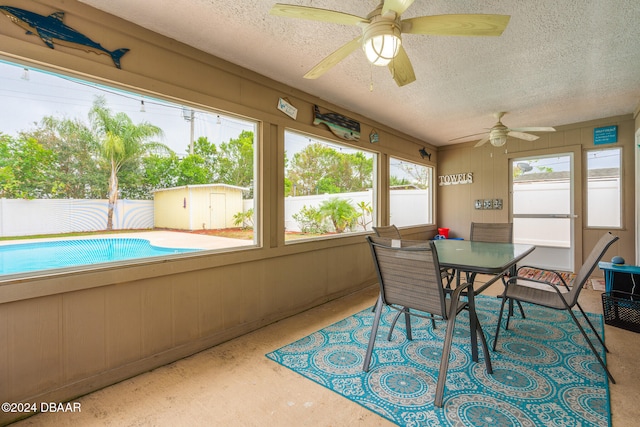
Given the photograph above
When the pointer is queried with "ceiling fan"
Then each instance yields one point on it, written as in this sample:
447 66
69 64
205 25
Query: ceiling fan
382 31
498 134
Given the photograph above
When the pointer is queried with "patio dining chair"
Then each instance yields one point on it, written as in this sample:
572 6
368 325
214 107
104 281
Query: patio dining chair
409 277
559 297
500 232
496 232
392 232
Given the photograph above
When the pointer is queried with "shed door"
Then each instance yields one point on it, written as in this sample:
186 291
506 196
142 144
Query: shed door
218 210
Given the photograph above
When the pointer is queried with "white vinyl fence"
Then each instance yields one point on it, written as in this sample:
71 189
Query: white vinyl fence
19 217
603 208
408 207
293 205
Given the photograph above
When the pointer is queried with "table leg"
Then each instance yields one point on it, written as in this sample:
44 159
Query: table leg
473 323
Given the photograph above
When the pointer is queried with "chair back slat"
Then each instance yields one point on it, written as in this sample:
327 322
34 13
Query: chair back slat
589 265
390 231
492 232
409 275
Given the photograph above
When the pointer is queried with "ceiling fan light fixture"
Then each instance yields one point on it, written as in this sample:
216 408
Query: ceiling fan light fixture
498 140
381 42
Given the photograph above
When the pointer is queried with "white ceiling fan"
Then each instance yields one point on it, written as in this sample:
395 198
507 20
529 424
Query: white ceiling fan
498 134
382 31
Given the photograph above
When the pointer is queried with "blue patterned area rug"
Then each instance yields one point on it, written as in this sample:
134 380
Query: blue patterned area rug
544 373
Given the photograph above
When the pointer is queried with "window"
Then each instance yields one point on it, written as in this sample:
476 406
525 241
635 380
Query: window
410 193
329 188
80 160
604 192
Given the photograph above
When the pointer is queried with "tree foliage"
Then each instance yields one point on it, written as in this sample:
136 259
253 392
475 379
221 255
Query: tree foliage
419 175
107 155
78 173
27 169
235 161
319 169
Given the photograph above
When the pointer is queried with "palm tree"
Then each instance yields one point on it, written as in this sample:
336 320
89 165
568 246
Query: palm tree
340 212
121 141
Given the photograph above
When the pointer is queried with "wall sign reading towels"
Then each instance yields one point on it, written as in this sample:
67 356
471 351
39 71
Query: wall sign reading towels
457 178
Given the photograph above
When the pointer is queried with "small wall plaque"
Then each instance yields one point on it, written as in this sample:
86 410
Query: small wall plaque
287 108
605 135
373 136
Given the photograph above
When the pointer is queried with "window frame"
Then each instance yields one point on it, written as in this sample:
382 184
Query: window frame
430 187
336 144
116 89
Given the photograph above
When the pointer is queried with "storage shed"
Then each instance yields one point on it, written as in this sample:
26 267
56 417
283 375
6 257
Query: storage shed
197 207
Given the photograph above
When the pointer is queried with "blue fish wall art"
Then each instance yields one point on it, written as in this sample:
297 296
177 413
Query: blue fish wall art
53 31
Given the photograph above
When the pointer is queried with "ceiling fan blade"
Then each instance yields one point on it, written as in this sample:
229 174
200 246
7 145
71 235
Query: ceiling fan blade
401 68
534 129
482 141
456 25
315 14
467 136
522 135
398 6
327 63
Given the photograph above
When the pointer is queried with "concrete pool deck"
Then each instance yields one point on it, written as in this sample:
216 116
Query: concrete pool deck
165 239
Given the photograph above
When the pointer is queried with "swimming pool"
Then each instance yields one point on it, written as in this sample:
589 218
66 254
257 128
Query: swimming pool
24 257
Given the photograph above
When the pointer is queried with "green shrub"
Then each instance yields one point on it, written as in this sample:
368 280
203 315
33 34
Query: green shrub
245 219
310 220
340 212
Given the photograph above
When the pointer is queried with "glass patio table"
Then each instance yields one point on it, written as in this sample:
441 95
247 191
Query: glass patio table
474 258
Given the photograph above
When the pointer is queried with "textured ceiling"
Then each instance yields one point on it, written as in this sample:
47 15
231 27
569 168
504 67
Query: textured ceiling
558 61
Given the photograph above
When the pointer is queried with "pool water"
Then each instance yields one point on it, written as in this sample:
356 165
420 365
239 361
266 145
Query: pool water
23 257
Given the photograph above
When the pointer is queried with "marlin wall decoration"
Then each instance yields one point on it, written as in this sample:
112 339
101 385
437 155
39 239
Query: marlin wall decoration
339 125
52 31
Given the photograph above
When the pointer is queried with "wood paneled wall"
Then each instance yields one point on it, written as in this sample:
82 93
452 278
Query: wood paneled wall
490 168
68 334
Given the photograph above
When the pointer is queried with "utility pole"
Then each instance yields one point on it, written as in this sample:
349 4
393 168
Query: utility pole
188 115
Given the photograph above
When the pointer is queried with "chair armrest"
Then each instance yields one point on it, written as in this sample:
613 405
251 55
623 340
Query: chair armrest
514 280
455 297
558 275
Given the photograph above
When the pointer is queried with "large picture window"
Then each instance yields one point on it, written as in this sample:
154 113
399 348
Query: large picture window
329 188
410 193
604 192
82 162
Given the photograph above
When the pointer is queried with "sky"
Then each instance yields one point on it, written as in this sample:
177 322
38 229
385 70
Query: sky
602 157
27 97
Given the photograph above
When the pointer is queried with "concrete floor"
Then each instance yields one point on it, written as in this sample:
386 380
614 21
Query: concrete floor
234 384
